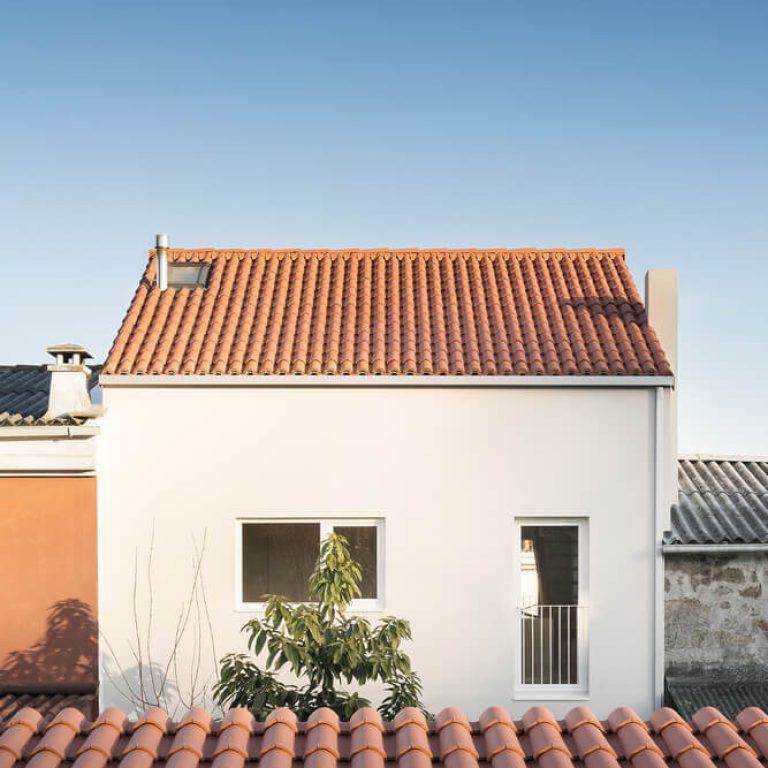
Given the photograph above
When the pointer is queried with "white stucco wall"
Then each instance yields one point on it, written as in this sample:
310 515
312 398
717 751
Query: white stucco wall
448 469
55 450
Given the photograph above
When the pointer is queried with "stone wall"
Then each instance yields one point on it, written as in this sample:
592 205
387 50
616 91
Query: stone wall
717 614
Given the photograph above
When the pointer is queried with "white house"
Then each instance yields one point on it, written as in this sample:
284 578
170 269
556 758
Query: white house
492 430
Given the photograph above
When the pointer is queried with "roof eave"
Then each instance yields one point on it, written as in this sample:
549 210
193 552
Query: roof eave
401 381
713 549
43 431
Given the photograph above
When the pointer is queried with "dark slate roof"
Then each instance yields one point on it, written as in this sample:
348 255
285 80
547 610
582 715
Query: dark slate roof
721 501
47 704
730 697
24 394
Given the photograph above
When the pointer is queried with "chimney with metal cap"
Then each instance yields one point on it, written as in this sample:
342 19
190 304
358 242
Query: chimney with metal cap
68 394
161 249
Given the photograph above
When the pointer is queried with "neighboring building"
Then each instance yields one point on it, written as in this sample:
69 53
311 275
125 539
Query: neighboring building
48 641
465 418
716 567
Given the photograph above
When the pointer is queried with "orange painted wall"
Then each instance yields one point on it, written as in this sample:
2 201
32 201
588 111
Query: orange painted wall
48 589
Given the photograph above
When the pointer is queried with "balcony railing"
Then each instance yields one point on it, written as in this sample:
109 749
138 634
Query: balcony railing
553 644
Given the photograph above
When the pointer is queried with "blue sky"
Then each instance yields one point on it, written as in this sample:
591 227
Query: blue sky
641 125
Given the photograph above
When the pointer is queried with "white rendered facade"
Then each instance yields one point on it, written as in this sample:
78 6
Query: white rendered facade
450 471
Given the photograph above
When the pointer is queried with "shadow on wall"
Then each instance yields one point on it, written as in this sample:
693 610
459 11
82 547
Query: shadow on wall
64 658
137 688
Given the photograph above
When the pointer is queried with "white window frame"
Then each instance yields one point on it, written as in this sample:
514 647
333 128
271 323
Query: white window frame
553 692
327 525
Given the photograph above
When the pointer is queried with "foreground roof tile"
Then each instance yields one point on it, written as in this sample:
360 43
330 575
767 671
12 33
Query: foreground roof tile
537 740
754 723
428 312
589 739
724 738
18 732
679 740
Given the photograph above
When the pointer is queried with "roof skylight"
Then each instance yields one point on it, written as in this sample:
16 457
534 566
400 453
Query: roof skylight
190 274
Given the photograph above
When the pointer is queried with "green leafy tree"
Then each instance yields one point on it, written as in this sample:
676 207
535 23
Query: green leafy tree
323 647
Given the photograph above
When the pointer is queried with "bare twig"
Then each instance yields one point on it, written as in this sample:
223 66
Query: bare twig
136 626
165 693
151 610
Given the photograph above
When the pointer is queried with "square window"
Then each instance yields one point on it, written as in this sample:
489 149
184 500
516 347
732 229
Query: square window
278 557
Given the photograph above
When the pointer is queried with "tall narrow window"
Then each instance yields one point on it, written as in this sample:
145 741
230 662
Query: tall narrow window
552 613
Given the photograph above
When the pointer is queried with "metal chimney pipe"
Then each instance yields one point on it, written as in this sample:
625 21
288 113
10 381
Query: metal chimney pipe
161 248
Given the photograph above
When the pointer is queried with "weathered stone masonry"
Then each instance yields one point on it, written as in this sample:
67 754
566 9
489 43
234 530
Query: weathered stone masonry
717 615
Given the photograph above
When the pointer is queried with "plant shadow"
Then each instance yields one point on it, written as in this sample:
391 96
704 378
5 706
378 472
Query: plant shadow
64 658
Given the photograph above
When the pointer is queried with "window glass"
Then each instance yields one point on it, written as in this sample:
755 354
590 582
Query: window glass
188 274
278 558
550 564
362 547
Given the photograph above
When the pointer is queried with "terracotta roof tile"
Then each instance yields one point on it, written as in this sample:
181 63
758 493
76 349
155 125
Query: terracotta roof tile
502 747
633 734
678 737
538 740
366 747
54 747
19 730
589 739
431 312
412 748
724 739
754 723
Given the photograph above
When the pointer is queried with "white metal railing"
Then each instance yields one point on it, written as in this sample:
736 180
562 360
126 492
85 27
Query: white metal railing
553 644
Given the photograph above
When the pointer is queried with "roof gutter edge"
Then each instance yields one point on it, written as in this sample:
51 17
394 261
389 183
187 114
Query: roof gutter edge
713 549
43 432
403 381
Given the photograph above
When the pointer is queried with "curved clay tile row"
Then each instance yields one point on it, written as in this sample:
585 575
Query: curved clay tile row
502 747
754 723
17 734
457 750
412 748
366 748
589 739
678 737
392 312
57 737
635 739
142 749
724 739
277 746
547 746
99 747
234 734
367 742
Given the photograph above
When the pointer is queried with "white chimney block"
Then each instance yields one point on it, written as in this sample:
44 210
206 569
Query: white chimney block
661 306
68 394
661 292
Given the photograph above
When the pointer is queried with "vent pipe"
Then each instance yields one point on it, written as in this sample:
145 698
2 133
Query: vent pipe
161 249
